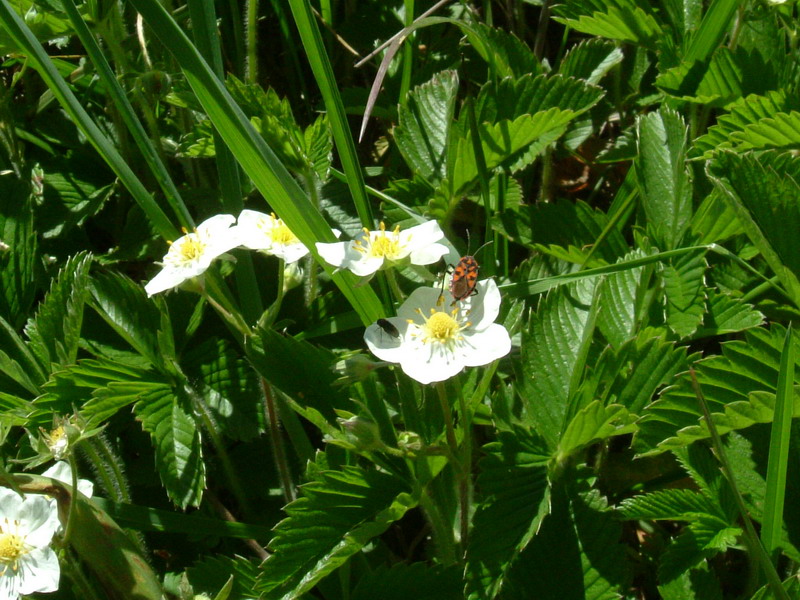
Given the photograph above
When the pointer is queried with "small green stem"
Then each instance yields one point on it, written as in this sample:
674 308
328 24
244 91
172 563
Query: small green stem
391 278
450 432
753 542
443 533
466 463
408 53
210 425
216 298
269 316
460 468
278 452
251 33
72 499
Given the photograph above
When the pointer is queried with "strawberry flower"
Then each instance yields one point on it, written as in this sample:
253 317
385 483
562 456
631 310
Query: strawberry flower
371 251
436 336
191 254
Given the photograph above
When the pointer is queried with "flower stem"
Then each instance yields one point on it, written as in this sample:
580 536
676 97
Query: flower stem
394 286
269 316
466 464
210 425
278 452
460 468
72 499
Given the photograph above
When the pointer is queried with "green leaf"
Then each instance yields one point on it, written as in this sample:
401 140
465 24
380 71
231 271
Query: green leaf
684 290
702 539
506 55
621 295
228 385
632 375
123 304
210 574
551 347
18 362
20 257
424 124
696 584
99 388
753 112
517 120
591 60
578 541
675 505
619 20
763 191
542 223
714 221
739 387
594 423
298 369
179 455
417 580
513 482
664 184
338 513
727 314
55 331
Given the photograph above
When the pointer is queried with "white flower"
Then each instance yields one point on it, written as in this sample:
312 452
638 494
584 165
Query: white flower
259 231
61 471
27 563
436 338
191 254
373 250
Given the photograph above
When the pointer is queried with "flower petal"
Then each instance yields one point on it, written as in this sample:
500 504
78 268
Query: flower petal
290 252
482 347
428 254
167 278
383 344
431 363
333 252
38 571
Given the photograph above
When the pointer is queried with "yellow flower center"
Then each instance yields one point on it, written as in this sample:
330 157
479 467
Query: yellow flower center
385 245
441 327
192 248
12 546
282 235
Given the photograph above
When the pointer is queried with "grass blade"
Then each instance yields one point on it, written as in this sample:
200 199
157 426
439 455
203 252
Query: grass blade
712 29
204 28
269 175
128 114
772 520
326 80
753 543
26 41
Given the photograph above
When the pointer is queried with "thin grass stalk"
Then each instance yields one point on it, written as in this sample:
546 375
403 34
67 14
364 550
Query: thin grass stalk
204 28
251 40
329 87
269 175
128 114
750 536
276 441
778 462
27 42
408 54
